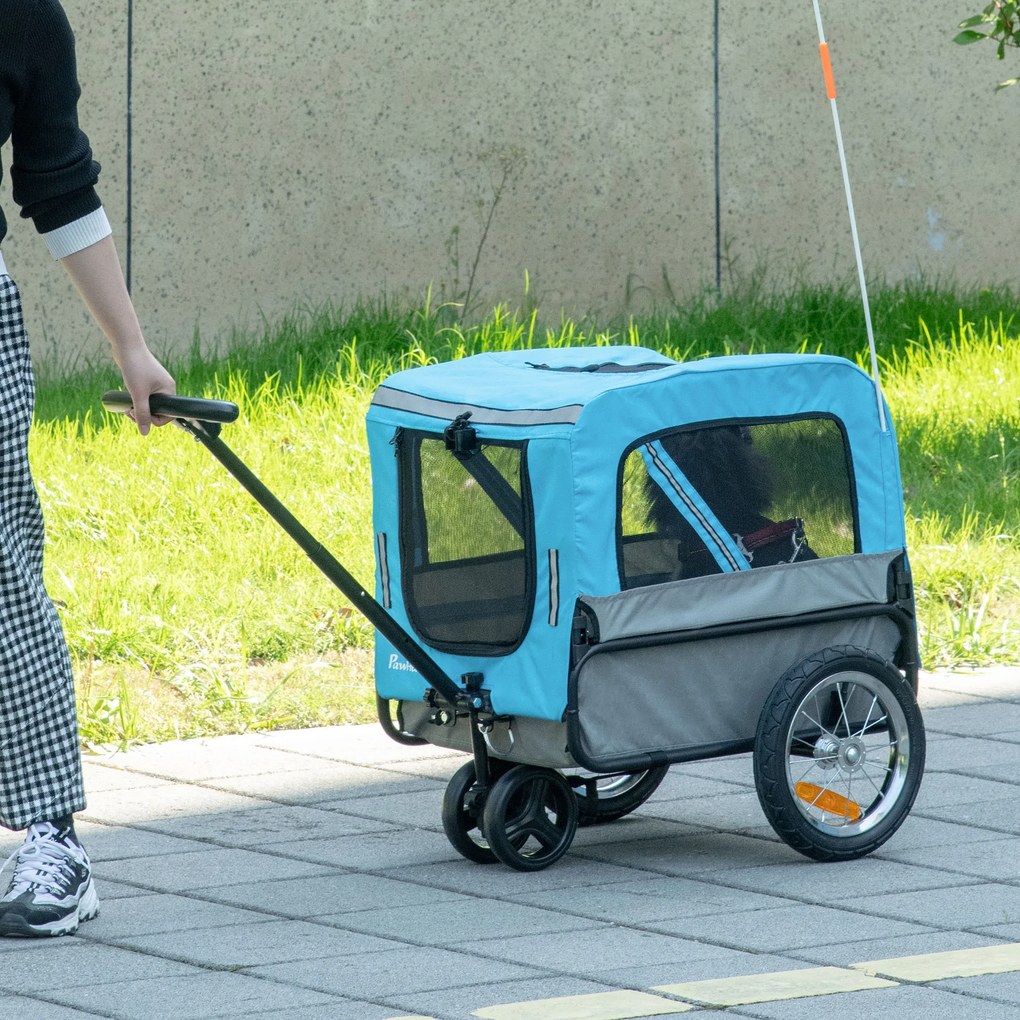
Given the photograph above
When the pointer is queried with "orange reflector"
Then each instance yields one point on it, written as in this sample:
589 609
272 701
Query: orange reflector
828 801
830 80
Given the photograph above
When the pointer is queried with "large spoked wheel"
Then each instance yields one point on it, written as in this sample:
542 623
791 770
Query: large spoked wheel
606 798
530 817
462 811
839 754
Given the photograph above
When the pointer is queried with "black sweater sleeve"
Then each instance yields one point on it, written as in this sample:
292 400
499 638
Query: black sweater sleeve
53 173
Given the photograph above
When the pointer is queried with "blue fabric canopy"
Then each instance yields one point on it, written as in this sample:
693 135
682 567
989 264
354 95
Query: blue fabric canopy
581 411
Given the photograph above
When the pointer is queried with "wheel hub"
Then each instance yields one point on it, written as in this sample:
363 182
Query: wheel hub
826 751
852 754
848 754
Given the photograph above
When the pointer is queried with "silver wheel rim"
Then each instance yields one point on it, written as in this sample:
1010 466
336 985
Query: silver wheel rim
607 786
847 754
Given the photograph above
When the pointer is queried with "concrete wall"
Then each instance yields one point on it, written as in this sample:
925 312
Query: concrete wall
298 152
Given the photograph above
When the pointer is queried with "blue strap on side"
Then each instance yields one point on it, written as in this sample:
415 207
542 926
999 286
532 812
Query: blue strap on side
666 474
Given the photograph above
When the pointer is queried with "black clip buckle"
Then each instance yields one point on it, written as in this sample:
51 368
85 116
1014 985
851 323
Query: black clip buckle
460 438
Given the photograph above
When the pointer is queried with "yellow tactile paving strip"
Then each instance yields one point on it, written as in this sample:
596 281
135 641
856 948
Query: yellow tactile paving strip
597 1006
787 984
959 963
756 988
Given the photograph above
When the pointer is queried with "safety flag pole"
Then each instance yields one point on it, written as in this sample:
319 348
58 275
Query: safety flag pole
830 91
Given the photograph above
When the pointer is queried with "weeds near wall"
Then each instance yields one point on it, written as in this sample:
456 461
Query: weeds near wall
503 166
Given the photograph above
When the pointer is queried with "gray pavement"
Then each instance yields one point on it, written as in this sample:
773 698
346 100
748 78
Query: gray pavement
305 874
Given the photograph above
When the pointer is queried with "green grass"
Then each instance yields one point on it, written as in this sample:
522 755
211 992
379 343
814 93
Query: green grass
189 612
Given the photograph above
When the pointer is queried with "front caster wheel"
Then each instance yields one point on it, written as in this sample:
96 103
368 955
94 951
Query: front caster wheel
462 811
839 754
530 817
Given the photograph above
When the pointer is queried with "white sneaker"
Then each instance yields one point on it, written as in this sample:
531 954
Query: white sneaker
51 890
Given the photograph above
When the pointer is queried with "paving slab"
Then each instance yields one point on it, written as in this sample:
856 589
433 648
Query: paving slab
252 945
570 872
205 868
107 843
394 973
159 912
941 790
72 963
832 884
198 759
787 928
265 823
389 849
454 921
690 852
915 1003
919 832
969 906
329 894
980 720
998 817
306 874
324 783
599 949
723 812
651 899
194 997
993 858
838 953
39 1009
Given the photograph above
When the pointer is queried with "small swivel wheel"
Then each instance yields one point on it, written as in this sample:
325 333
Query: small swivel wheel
839 754
530 817
463 802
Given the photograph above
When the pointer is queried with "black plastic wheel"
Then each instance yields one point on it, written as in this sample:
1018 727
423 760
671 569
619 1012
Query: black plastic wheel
839 754
530 817
605 798
462 814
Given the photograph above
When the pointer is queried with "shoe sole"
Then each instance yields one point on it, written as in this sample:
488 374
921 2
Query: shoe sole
88 907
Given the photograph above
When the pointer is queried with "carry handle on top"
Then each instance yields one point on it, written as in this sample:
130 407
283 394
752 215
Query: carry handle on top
203 419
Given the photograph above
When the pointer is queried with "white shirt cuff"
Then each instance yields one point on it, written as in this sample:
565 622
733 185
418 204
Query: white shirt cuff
80 234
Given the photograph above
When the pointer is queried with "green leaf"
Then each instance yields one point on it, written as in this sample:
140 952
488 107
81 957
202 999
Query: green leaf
970 36
1006 84
978 19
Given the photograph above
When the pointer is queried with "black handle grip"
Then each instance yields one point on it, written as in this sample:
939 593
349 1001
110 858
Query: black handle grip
170 406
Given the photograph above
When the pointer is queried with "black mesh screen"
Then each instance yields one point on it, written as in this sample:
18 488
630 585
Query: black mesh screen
782 489
466 545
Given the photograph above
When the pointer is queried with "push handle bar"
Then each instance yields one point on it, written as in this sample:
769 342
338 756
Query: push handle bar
202 419
170 406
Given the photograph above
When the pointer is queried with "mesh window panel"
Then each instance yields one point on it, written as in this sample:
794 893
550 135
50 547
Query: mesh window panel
783 488
466 543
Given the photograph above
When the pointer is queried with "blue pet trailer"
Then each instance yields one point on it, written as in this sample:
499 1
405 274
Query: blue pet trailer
593 563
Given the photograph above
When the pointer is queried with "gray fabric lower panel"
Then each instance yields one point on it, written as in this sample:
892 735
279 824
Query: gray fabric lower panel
788 589
522 740
675 698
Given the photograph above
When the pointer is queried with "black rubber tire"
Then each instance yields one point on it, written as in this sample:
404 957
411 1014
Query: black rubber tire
607 806
530 817
800 732
462 826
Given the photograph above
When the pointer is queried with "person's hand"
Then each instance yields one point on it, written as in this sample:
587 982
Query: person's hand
143 376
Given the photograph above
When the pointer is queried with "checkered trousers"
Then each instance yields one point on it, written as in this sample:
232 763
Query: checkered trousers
40 761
